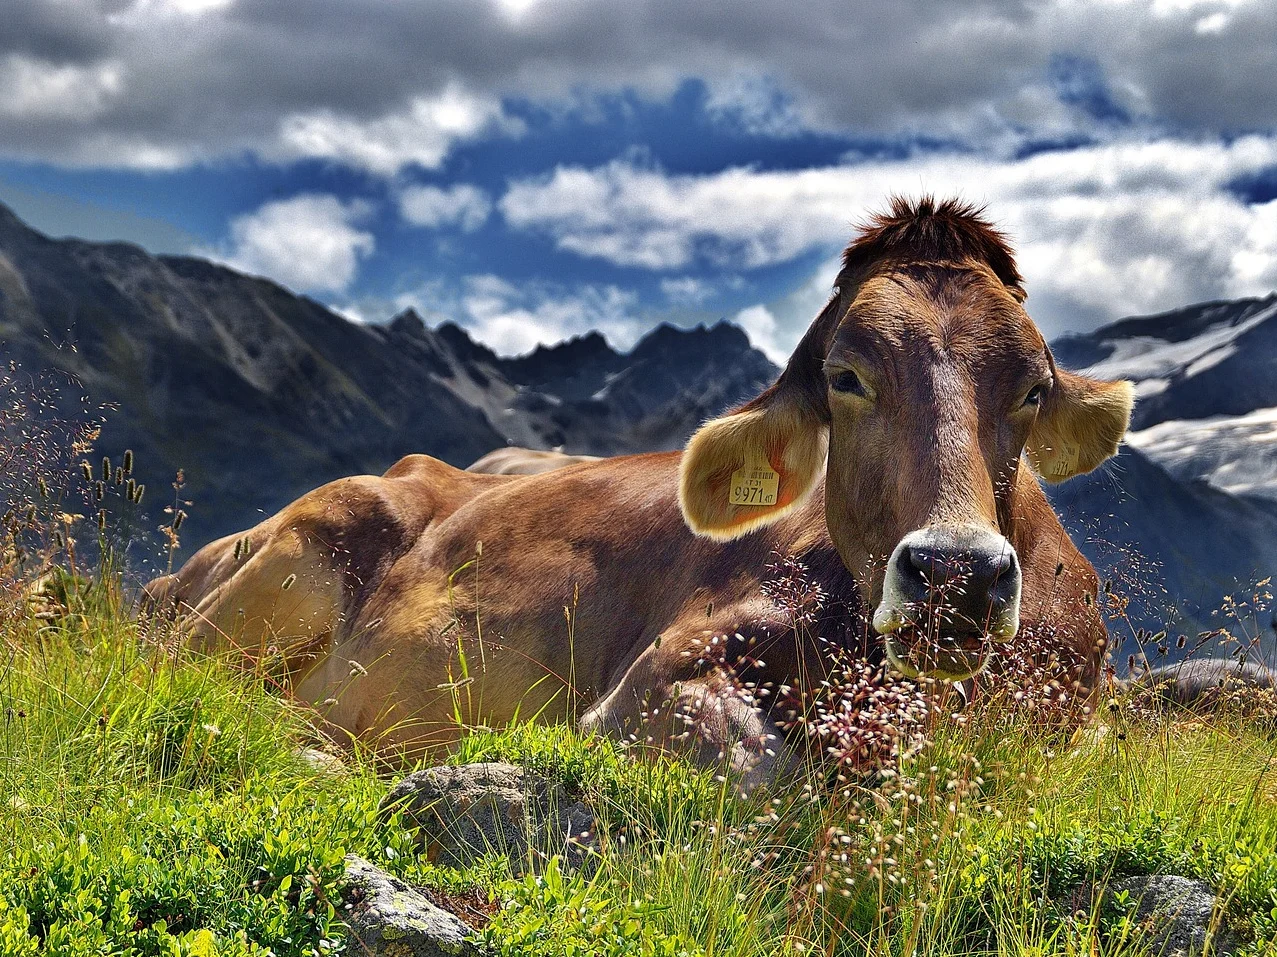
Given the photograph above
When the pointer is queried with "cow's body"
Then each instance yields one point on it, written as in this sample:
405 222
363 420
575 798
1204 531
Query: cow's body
626 568
612 592
515 460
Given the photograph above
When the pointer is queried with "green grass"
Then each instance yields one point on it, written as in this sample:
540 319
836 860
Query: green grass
151 802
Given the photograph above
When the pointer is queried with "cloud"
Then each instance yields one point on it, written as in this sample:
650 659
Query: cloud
633 216
762 328
1102 231
42 90
462 205
755 104
310 243
775 327
688 290
421 134
513 319
379 85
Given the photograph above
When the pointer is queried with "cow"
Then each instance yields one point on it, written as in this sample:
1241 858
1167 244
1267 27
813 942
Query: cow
895 461
514 460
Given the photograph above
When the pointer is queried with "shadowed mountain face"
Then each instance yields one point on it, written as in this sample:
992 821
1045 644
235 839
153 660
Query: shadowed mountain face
260 395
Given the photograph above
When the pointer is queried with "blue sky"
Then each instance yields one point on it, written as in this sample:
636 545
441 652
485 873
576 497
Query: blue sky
534 169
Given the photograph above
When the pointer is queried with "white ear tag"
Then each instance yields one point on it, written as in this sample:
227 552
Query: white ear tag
755 483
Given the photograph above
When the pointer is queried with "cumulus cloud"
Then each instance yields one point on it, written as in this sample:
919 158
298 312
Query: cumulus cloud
420 134
687 290
381 85
1102 231
642 217
462 205
763 330
36 89
310 243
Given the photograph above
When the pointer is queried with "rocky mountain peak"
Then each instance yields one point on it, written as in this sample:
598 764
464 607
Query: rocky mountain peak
408 324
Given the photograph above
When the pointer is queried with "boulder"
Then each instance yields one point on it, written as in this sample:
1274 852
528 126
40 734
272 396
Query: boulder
388 917
465 812
1176 914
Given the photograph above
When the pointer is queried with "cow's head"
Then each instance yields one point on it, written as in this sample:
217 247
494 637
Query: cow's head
917 390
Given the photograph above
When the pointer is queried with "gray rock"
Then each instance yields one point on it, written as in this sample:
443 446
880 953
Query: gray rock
1176 913
465 812
387 917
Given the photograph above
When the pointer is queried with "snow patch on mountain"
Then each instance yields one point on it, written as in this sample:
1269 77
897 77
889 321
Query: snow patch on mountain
1237 454
1152 362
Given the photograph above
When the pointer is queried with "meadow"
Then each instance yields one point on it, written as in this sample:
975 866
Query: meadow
157 801
153 801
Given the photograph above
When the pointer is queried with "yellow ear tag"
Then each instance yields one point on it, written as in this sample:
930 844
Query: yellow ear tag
756 483
1065 462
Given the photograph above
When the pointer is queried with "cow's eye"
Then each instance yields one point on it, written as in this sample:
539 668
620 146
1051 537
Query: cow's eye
846 381
1034 398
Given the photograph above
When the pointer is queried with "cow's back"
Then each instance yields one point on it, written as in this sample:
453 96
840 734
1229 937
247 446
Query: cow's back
514 460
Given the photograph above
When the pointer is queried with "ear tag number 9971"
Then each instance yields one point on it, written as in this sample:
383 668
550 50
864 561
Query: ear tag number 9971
756 483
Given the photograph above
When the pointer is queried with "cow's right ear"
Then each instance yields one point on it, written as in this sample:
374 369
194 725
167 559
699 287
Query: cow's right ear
753 466
750 468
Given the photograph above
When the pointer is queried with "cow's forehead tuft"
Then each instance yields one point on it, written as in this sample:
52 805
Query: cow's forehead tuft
925 230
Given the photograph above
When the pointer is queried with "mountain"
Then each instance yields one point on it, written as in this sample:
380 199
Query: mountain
1206 382
1195 488
259 394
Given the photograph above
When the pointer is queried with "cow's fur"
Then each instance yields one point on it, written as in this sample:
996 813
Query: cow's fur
627 594
513 460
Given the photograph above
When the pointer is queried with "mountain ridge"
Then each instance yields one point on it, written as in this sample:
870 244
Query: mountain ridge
260 394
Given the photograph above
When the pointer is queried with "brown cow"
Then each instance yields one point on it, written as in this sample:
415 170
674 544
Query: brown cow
514 460
886 461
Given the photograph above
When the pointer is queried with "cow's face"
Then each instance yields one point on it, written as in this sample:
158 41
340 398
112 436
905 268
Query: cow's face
924 383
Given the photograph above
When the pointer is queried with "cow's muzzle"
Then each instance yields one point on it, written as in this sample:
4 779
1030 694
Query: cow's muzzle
949 591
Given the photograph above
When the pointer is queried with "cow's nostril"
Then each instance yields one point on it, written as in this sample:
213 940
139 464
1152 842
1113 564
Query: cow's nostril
932 566
916 566
1002 563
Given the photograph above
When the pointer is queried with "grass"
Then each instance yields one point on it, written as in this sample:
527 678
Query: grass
152 802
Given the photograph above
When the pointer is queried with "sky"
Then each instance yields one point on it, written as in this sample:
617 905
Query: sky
534 169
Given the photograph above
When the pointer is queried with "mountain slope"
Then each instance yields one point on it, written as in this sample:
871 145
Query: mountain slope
1195 488
1206 381
1174 549
260 395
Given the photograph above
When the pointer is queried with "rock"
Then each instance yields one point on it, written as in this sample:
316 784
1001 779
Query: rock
1176 913
387 917
468 811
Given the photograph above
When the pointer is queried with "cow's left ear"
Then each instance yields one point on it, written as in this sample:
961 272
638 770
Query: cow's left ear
1079 425
753 466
